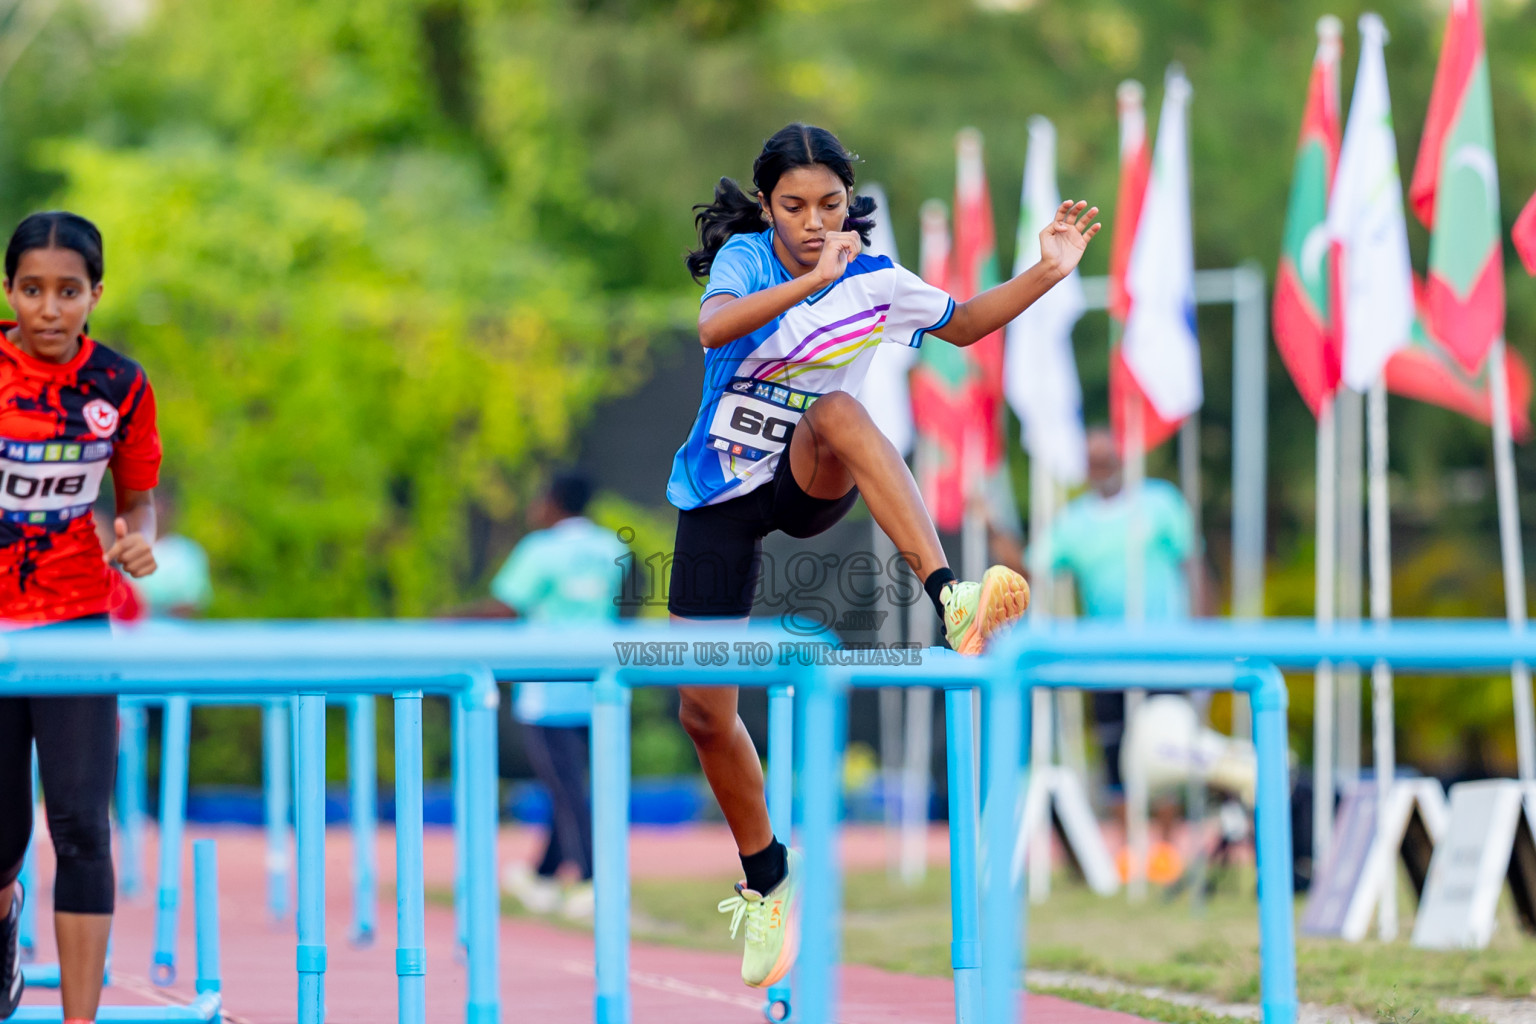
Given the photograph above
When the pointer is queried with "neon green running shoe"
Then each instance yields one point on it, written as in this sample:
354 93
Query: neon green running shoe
773 926
975 611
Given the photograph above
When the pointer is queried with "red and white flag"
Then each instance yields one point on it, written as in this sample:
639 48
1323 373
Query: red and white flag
1040 371
1125 393
1374 294
1160 346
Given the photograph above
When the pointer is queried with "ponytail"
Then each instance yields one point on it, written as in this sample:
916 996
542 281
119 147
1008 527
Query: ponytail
734 212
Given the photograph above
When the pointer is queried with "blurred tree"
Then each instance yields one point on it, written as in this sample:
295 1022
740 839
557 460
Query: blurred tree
381 258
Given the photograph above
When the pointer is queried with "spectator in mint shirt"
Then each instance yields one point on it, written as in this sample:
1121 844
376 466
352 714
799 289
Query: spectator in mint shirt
568 571
1091 540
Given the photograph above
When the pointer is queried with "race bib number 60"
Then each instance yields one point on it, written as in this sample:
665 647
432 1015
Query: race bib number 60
754 420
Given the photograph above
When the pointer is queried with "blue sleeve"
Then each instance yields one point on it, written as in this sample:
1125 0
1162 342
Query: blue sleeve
738 270
520 581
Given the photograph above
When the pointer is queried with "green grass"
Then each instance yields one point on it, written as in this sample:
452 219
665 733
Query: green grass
1153 944
1139 1005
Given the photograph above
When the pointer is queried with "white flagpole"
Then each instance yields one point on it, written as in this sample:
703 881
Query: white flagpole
1350 426
1323 697
1042 492
1514 557
1136 796
1381 672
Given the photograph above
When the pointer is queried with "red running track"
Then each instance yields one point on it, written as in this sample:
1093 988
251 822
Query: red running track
546 971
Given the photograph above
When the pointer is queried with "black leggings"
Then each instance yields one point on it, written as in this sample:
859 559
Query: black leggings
559 758
77 761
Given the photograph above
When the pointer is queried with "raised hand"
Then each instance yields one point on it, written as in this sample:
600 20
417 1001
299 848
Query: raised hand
1064 240
132 551
839 249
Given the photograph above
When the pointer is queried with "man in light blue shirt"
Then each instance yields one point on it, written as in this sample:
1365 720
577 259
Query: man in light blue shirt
1091 539
569 571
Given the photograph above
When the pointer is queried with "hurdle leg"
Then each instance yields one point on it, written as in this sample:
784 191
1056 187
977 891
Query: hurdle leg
410 898
1277 938
276 795
460 783
483 922
781 796
820 756
362 769
1007 722
610 847
130 797
205 904
965 948
176 736
309 750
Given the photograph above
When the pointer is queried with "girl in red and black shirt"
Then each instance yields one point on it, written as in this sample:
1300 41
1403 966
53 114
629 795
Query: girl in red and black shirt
70 411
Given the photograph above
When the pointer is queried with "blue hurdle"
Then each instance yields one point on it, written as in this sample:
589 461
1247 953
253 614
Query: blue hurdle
175 752
207 1006
324 658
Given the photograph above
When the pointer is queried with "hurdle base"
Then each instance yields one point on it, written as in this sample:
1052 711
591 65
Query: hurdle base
205 1009
47 975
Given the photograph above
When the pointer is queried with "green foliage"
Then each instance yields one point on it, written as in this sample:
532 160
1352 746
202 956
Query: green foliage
381 259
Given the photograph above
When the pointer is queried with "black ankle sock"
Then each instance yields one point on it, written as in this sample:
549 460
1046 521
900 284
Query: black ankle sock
935 583
767 867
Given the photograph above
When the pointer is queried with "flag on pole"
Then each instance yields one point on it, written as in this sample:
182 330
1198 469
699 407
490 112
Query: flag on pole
1524 235
957 392
1304 329
938 382
1135 170
885 392
1373 292
1161 350
1456 186
1426 371
1039 370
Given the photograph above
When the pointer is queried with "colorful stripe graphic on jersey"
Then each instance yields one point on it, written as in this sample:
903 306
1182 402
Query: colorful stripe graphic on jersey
757 387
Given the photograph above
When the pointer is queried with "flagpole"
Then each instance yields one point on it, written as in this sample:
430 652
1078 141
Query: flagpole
1323 695
1514 557
1350 427
1042 720
1136 796
1381 672
917 744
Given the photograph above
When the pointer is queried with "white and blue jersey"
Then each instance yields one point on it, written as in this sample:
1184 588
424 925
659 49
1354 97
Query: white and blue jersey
757 387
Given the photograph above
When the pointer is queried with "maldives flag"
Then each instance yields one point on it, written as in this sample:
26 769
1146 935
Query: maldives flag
1455 193
1424 370
938 384
1524 235
1135 170
957 392
1303 315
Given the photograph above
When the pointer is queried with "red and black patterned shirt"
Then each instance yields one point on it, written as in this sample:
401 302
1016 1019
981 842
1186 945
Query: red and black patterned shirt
62 426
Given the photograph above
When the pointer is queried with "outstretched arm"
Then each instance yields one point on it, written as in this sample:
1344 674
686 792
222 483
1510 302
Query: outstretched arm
1062 244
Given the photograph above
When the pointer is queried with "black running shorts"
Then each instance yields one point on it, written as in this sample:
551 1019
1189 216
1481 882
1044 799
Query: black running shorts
719 548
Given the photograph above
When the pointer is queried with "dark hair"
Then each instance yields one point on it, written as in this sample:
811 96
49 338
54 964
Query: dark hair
733 212
570 490
56 229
